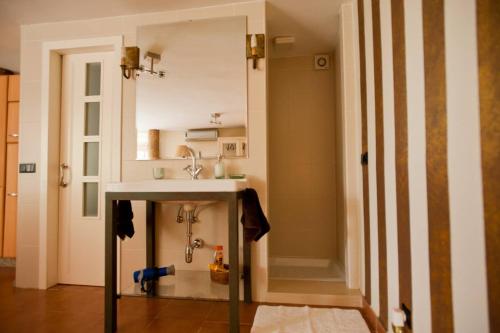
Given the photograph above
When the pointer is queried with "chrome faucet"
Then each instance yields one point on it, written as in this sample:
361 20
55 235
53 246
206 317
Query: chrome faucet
193 169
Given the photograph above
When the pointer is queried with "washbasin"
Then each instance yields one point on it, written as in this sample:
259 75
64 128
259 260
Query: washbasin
190 202
179 185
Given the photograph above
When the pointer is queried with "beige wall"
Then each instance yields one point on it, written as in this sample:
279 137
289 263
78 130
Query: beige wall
302 159
212 226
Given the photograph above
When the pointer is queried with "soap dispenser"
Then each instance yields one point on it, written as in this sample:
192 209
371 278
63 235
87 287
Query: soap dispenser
219 170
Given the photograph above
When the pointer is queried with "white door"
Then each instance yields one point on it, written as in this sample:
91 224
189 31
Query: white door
85 165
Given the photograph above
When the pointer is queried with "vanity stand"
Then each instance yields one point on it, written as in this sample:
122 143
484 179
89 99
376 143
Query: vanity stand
121 192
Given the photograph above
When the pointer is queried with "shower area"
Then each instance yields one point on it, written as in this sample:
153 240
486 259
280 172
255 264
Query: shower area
307 242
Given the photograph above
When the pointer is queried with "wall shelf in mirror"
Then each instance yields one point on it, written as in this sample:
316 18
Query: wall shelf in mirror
235 141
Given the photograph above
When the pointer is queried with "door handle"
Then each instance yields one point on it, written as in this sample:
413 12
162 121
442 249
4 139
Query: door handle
12 194
14 135
62 168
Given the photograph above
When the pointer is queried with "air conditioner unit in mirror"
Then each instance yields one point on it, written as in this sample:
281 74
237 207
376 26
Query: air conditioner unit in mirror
202 135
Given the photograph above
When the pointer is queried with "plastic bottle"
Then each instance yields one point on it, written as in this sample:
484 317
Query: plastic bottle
219 169
219 256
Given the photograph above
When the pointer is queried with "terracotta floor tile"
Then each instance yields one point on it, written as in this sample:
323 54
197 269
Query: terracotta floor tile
140 306
220 312
211 327
187 309
130 324
171 325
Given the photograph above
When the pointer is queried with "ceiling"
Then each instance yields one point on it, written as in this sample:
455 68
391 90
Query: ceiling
313 23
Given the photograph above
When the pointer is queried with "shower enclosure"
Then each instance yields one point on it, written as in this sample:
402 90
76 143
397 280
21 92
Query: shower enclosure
307 242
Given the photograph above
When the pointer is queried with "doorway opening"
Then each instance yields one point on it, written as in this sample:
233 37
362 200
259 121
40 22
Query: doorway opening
307 242
315 175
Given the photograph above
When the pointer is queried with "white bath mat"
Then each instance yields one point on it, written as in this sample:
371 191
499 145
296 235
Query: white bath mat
289 319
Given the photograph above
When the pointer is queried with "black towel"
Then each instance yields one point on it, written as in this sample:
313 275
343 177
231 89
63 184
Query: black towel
254 221
123 218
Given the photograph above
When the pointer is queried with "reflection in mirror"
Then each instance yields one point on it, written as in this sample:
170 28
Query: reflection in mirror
204 87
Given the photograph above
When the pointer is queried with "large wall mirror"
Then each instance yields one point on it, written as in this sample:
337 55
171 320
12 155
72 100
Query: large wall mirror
201 100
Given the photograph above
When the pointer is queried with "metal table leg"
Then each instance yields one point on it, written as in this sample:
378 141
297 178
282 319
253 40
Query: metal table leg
247 273
234 276
110 282
150 241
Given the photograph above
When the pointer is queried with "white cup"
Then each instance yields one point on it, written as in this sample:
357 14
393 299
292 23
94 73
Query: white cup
158 173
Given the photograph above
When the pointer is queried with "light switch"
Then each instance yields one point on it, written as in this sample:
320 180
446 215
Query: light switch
27 167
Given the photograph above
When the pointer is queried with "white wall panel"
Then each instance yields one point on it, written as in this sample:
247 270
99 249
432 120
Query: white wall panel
372 172
468 263
417 166
390 158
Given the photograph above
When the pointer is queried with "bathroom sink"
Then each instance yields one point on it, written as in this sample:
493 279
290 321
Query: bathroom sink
189 202
179 185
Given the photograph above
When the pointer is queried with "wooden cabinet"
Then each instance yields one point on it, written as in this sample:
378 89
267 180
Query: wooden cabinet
10 220
13 88
4 84
9 135
13 122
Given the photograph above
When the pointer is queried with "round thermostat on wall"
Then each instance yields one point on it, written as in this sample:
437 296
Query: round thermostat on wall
321 61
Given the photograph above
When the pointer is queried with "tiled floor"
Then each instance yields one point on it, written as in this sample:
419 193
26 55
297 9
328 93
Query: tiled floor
81 309
190 284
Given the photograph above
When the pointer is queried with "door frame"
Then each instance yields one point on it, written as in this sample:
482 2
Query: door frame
50 112
350 91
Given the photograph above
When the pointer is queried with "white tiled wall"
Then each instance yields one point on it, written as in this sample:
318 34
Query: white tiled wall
302 157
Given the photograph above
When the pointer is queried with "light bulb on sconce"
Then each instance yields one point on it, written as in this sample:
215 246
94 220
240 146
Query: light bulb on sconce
253 44
255 48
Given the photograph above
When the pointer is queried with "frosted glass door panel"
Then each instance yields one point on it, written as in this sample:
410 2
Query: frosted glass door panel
91 159
93 82
90 199
92 115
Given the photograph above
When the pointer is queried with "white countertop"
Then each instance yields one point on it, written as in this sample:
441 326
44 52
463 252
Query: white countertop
179 185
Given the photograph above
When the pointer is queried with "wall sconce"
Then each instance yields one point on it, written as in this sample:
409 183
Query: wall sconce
255 48
152 58
130 60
